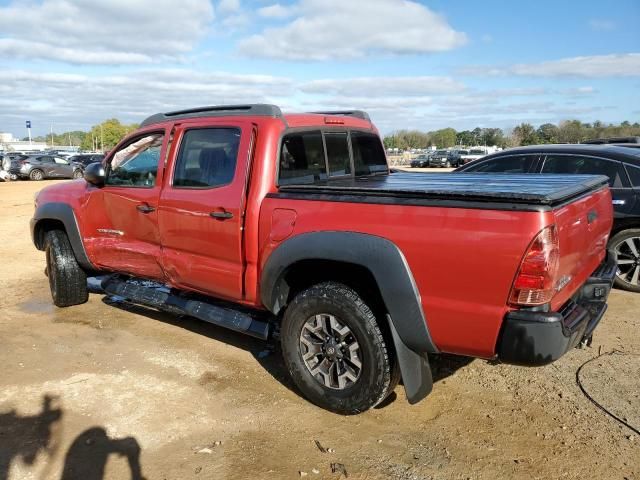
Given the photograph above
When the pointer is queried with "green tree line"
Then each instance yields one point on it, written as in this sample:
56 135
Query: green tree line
570 131
103 135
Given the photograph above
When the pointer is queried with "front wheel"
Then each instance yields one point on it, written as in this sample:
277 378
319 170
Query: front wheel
627 245
67 280
36 174
77 174
335 351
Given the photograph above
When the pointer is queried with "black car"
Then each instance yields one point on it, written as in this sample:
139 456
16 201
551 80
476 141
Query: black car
421 161
85 159
440 158
620 164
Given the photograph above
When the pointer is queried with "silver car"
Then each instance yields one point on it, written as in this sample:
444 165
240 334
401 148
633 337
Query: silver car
39 167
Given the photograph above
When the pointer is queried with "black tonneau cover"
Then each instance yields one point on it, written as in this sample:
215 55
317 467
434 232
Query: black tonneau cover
528 189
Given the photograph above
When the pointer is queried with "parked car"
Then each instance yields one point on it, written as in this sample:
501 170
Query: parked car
85 159
621 165
259 222
421 161
473 154
614 141
440 158
40 167
455 157
6 160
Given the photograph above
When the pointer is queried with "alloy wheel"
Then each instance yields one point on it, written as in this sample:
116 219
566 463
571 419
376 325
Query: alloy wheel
628 252
330 351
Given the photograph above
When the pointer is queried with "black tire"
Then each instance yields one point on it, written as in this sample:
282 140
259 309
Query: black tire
379 374
77 174
621 243
36 174
448 164
67 280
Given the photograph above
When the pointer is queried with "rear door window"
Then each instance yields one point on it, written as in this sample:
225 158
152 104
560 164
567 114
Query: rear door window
338 156
506 164
634 175
368 154
302 158
578 164
207 158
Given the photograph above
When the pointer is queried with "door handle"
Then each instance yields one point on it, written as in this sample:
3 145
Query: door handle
146 208
222 215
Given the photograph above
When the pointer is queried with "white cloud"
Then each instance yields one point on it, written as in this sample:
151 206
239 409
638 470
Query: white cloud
383 86
72 101
601 25
613 65
275 11
326 29
228 6
102 31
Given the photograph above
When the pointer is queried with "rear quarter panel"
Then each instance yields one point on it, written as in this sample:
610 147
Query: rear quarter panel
463 260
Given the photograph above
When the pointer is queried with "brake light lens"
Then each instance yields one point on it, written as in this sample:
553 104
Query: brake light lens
536 279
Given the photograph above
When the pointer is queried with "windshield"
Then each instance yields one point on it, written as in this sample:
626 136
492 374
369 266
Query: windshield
477 152
441 152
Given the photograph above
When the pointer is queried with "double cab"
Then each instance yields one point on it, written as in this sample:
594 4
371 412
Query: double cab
293 226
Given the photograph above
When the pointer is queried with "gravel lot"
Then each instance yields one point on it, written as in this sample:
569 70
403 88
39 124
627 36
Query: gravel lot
102 390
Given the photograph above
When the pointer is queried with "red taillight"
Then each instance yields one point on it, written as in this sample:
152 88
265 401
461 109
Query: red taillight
536 279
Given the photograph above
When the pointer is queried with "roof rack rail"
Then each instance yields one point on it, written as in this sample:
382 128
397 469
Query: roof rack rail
347 113
257 109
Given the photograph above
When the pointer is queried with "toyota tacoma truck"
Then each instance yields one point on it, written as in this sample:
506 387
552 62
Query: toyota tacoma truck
293 226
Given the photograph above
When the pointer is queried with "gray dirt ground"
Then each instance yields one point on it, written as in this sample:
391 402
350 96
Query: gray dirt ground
98 390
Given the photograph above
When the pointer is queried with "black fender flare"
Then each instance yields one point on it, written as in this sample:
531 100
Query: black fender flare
395 281
63 213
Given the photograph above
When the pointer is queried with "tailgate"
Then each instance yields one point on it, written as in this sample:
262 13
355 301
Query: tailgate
583 229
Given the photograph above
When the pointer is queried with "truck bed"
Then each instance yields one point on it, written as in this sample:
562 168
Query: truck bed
544 190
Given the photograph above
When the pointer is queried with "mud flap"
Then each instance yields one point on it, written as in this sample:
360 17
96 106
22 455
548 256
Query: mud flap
414 368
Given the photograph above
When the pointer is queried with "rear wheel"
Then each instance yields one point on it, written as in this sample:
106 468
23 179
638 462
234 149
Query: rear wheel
335 351
36 174
67 280
627 245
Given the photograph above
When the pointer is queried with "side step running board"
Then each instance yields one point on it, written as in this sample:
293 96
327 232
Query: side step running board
156 295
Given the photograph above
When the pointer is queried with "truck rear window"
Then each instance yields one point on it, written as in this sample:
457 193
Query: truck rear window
315 156
302 158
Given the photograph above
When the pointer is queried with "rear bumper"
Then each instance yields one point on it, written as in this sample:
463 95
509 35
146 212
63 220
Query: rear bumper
534 338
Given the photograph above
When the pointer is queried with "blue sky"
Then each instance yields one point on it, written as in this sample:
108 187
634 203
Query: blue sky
425 65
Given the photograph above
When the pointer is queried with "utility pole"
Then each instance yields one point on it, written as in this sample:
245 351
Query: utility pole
51 131
101 139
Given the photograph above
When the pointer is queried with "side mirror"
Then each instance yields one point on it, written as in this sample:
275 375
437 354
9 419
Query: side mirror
94 174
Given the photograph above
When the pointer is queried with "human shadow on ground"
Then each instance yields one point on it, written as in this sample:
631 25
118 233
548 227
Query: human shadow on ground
88 455
26 437
267 353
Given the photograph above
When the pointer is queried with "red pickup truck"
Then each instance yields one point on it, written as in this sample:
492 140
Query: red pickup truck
294 226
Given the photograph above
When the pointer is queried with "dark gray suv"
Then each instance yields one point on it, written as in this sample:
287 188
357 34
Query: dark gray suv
620 164
39 167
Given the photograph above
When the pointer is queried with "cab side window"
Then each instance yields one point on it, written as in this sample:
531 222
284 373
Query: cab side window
368 154
586 166
207 158
136 164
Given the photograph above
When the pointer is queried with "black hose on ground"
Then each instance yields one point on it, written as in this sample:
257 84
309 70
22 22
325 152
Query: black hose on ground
595 402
